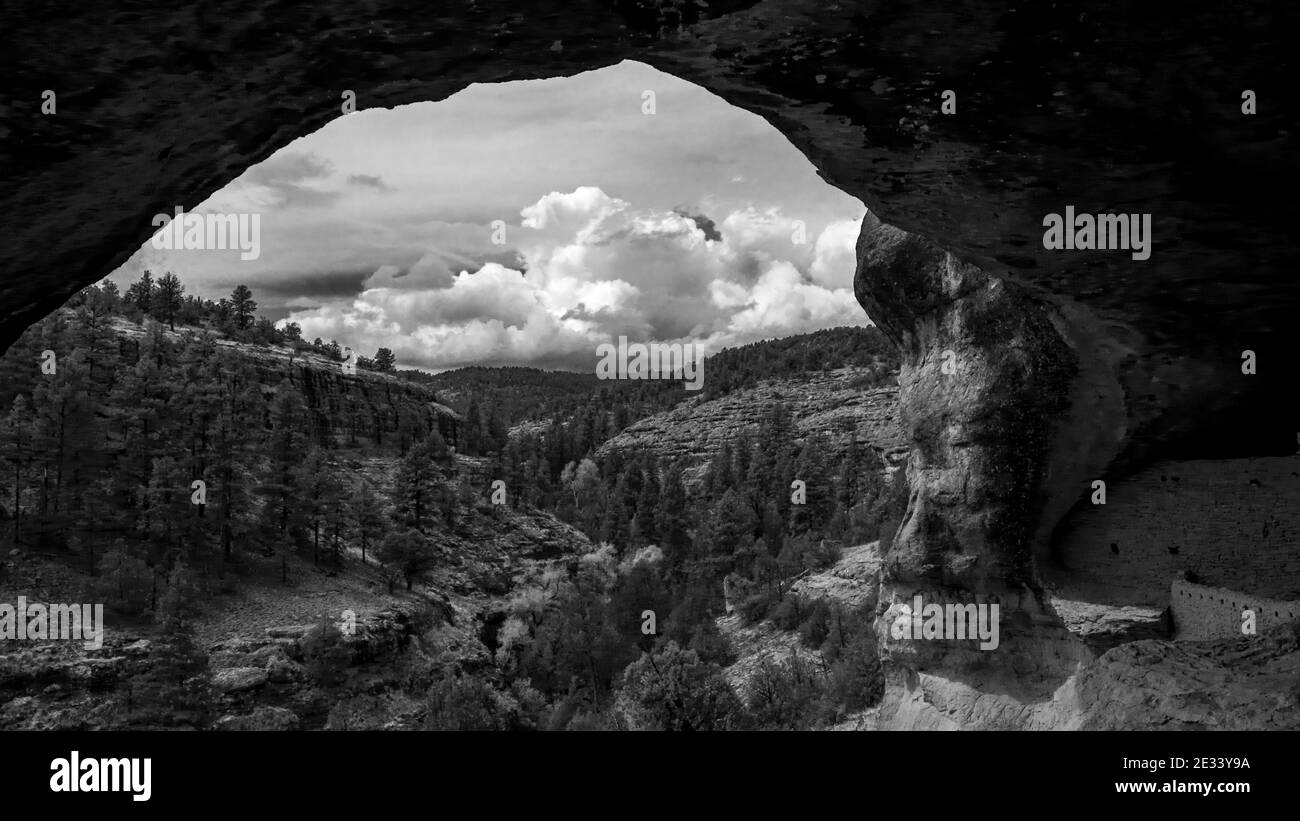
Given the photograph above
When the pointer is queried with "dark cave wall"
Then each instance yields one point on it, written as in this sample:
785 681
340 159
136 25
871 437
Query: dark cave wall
1073 365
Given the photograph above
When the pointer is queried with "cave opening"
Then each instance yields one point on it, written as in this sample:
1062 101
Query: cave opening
368 370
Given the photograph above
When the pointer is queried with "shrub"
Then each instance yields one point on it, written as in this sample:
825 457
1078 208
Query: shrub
786 695
466 702
786 613
816 625
675 690
710 645
326 653
754 608
171 683
857 678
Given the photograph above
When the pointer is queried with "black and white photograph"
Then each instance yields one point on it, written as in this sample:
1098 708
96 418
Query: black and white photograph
772 368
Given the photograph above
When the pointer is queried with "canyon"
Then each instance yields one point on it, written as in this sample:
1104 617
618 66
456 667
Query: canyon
1069 367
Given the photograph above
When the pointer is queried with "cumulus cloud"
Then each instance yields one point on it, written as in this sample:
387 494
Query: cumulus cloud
583 267
834 256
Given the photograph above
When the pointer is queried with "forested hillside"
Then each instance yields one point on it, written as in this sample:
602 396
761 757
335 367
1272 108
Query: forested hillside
171 464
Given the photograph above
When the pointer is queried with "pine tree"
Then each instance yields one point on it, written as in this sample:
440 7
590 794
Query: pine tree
279 487
416 489
616 526
170 520
168 298
645 523
242 306
20 365
92 333
472 431
140 294
18 434
810 467
496 431
240 407
674 516
66 435
385 361
731 527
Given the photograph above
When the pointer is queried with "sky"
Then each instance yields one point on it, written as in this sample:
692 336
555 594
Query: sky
525 223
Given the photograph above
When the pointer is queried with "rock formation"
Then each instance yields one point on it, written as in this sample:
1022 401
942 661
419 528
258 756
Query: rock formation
827 403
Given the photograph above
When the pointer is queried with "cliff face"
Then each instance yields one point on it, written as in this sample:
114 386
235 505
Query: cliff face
696 430
344 407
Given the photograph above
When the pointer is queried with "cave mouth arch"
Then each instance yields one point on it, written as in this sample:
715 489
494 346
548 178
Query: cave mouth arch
756 271
525 223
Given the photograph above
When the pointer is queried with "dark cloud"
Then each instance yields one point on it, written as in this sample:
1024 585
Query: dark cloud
321 285
287 175
703 223
369 181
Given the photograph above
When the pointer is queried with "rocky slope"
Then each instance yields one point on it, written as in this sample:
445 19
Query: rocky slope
1133 676
258 639
828 403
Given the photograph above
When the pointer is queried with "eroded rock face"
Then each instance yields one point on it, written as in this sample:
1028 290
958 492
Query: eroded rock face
829 404
380 407
1071 366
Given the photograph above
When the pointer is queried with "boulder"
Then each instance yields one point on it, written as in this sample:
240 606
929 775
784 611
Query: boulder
239 679
263 718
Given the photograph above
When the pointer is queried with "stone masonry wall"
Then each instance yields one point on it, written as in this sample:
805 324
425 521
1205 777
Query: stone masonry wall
1233 523
1202 612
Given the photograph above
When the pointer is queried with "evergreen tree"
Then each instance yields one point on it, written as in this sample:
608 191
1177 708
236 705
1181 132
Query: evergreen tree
471 438
731 526
322 498
92 333
645 522
385 361
168 298
496 431
811 468
674 516
410 551
242 306
170 518
617 525
416 489
279 487
140 293
17 447
66 433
